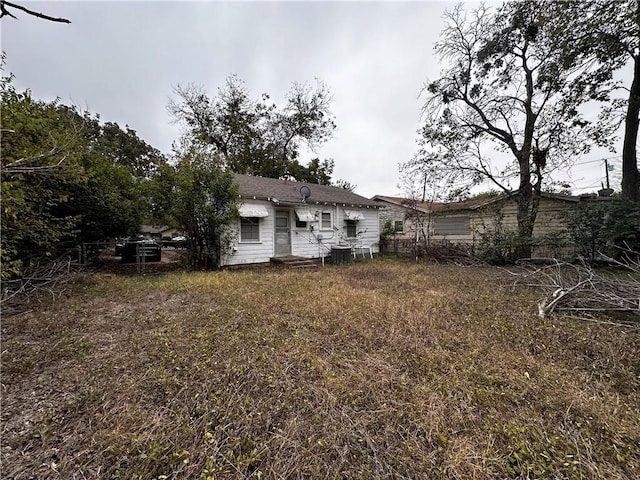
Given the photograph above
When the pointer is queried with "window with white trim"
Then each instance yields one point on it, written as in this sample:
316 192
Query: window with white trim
249 229
350 227
399 226
325 221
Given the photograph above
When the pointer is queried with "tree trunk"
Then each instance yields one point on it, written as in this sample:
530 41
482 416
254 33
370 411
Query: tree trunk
630 174
526 219
526 212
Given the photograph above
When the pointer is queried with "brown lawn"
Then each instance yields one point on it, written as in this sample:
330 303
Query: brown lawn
382 369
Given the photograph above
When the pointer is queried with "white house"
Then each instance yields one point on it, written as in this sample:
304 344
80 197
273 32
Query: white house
282 218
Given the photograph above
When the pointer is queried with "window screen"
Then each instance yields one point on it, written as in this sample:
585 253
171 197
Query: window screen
451 226
249 229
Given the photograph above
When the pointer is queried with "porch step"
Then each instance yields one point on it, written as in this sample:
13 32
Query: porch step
295 262
306 265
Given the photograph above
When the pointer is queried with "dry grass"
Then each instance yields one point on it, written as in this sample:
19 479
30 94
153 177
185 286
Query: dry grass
377 370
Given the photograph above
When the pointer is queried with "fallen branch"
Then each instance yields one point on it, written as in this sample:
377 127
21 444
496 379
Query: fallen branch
47 278
580 288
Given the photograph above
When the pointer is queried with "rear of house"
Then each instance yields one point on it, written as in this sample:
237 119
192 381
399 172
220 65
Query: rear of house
281 218
464 222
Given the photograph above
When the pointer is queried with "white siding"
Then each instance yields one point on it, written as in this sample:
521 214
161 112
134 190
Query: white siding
254 252
304 242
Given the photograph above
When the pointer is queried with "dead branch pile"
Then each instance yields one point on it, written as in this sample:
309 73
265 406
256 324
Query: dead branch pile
43 279
459 254
437 252
582 288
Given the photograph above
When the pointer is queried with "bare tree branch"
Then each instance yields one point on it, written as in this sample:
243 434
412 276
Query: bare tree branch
4 12
581 288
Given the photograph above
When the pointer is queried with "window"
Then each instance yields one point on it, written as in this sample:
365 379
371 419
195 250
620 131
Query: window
398 226
451 226
249 229
325 221
350 227
303 215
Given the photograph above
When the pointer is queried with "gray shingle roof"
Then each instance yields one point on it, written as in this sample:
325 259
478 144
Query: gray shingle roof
470 204
287 191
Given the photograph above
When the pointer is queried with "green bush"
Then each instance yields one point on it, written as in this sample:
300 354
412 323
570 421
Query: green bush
607 227
498 243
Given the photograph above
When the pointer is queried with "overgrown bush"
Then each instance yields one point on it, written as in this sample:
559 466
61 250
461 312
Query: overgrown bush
599 226
497 243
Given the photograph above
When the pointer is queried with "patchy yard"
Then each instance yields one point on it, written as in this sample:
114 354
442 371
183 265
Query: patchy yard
377 370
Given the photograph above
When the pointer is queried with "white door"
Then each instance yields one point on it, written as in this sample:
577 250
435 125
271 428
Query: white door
283 233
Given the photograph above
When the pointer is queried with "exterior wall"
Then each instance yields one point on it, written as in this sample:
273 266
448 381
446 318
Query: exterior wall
255 252
549 220
304 242
396 213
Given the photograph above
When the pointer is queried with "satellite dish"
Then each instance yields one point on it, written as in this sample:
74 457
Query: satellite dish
305 192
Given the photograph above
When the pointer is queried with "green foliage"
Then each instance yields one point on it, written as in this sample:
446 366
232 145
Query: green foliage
38 170
604 226
254 136
498 243
507 85
204 205
66 179
607 34
388 231
316 171
345 184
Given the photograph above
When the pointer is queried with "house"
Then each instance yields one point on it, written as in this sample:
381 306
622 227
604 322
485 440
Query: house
463 222
401 214
281 218
159 232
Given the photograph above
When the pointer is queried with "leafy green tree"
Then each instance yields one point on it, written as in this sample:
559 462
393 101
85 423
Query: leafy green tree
255 136
38 171
66 179
204 205
604 226
317 171
505 90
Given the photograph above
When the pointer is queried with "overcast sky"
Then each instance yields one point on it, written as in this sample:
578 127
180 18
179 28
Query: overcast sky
122 60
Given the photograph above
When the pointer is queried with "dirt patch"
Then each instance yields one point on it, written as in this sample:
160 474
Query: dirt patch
172 259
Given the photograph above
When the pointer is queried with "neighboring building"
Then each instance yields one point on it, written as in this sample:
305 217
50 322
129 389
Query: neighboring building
280 218
462 222
159 232
402 215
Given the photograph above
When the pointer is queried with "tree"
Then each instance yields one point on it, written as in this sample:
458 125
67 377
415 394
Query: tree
506 91
204 205
38 170
255 137
346 185
608 34
66 179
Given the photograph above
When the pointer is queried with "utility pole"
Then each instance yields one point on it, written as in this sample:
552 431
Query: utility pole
606 169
